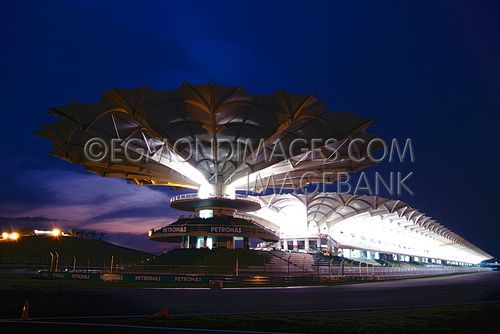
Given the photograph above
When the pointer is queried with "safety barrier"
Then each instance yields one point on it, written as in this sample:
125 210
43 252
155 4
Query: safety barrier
130 278
279 266
372 272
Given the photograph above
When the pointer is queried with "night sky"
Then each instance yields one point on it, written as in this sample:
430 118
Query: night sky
429 72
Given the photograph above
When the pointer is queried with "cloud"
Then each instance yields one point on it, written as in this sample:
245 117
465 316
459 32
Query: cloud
8 223
132 225
70 199
78 197
136 241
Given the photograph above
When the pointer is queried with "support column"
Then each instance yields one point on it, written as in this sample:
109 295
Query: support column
335 251
306 244
295 245
285 244
318 244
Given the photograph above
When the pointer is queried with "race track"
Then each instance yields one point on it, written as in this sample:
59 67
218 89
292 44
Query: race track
60 302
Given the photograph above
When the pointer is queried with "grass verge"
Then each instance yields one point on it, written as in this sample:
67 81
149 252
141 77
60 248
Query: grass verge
471 318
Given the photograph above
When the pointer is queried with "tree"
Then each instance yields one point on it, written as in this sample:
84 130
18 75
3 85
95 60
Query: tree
25 231
101 235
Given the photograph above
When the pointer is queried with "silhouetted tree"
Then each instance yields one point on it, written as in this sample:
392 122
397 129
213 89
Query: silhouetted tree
26 231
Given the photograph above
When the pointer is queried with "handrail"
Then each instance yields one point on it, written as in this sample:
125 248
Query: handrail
211 196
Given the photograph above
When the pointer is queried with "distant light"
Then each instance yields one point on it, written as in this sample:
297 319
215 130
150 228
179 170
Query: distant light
39 232
56 232
5 235
14 236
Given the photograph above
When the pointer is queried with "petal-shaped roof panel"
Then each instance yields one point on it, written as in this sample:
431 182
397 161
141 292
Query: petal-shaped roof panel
244 126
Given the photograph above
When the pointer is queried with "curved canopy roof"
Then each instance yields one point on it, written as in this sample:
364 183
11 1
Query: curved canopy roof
153 120
367 222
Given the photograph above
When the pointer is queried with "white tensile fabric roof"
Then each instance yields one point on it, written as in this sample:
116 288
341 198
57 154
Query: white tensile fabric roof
154 120
367 222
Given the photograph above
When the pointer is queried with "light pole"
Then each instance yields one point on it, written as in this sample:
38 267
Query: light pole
57 261
51 260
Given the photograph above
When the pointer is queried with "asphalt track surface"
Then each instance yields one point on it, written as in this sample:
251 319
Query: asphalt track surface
61 303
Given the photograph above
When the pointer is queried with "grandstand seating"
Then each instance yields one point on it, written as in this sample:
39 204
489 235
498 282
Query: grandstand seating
248 260
207 257
223 262
392 263
298 261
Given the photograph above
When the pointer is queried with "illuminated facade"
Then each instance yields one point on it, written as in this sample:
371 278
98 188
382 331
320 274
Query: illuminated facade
219 140
364 227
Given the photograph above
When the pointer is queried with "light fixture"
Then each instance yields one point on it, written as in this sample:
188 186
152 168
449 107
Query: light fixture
14 236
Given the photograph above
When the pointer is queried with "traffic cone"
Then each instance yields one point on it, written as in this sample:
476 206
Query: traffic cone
25 312
162 314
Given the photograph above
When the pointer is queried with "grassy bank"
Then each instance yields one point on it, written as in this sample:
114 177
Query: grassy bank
35 251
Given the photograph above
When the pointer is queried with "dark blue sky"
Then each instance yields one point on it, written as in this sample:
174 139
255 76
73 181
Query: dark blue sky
429 72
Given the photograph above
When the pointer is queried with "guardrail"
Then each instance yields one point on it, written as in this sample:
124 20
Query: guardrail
334 271
191 196
371 272
184 197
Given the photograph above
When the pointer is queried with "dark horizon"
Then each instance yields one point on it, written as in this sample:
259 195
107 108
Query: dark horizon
434 80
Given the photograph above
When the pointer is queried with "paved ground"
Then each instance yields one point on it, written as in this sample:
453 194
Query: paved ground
87 301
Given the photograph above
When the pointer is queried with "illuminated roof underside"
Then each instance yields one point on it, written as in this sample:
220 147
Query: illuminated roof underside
367 222
209 113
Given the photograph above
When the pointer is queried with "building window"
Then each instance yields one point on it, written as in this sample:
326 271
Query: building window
206 213
200 242
209 242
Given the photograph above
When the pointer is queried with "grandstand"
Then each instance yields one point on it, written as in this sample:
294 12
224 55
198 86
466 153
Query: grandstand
276 262
357 230
208 257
